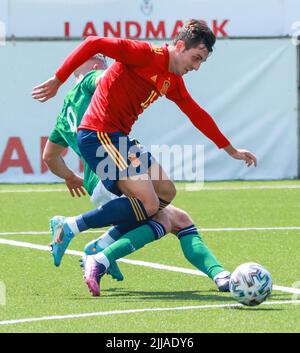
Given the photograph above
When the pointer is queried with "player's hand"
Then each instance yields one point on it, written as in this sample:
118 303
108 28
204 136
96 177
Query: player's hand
46 90
242 154
75 185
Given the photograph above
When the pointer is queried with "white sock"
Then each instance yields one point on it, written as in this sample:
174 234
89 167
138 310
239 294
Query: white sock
105 240
222 275
71 222
102 259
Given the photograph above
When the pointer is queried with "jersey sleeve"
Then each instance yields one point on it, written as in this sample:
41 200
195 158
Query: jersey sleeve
55 137
198 116
127 51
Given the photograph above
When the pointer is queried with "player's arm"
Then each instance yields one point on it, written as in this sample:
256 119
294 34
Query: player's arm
205 123
52 157
241 154
129 52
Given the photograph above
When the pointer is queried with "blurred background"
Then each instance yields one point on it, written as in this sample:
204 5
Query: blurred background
250 83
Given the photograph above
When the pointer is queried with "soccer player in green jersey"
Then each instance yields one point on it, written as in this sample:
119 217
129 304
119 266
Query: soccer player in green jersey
64 133
115 244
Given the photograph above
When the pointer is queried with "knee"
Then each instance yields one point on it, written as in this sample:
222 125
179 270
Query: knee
162 218
184 220
180 220
151 206
169 193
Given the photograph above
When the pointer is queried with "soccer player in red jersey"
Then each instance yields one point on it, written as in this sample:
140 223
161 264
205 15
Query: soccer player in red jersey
117 242
140 75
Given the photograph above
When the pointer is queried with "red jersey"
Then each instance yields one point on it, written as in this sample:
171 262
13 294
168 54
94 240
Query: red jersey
139 76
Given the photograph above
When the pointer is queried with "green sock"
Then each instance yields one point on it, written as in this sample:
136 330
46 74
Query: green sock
130 242
197 253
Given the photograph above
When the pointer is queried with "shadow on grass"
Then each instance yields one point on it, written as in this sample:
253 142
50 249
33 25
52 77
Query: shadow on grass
128 295
123 295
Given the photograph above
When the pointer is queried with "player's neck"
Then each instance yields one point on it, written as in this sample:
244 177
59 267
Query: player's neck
171 50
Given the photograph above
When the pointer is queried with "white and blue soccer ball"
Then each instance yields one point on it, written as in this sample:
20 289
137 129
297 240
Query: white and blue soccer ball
250 284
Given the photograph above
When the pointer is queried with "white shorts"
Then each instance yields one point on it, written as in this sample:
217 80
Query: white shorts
101 195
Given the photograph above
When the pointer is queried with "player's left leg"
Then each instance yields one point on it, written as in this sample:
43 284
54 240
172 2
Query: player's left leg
194 248
170 218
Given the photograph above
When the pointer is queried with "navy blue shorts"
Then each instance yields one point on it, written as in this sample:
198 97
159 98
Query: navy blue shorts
113 156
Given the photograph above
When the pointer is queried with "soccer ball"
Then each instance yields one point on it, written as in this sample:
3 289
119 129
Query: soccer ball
250 284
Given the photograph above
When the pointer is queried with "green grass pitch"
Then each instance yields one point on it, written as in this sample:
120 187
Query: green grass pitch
35 289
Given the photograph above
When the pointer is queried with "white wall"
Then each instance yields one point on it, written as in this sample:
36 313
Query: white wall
249 87
44 18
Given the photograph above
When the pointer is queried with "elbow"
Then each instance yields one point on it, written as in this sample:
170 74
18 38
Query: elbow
47 158
90 40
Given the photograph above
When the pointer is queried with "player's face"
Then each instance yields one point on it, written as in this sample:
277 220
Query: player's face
189 60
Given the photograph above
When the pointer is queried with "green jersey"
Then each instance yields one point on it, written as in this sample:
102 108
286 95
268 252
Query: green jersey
68 120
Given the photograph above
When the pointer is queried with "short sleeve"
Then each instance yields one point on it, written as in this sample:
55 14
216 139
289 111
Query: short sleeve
89 80
55 137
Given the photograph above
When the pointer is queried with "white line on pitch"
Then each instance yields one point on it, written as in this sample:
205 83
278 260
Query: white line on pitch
6 191
246 229
44 232
134 262
199 229
187 187
191 187
134 311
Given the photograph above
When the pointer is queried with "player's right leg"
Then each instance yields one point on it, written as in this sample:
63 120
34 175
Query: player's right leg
164 189
65 228
144 191
108 155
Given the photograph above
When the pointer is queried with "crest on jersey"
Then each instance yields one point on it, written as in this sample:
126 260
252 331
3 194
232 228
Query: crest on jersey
146 7
165 87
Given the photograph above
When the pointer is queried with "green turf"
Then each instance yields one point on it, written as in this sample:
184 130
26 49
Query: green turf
35 288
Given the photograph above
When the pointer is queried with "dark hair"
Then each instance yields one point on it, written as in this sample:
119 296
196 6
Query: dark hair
195 32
